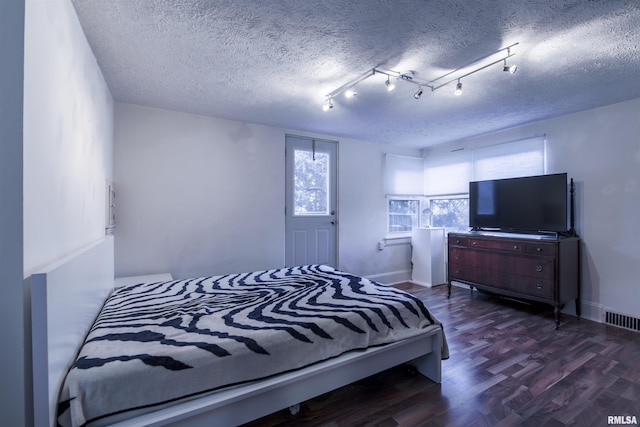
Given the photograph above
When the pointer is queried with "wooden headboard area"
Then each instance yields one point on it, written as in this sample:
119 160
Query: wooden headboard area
65 299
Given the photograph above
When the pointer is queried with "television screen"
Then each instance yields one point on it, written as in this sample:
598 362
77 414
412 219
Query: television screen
532 204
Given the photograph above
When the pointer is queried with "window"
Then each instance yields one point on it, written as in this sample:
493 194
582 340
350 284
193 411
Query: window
450 212
403 186
447 176
443 176
403 214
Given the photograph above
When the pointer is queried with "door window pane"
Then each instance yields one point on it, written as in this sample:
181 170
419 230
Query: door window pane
311 183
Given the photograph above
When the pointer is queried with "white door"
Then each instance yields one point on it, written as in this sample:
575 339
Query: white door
311 201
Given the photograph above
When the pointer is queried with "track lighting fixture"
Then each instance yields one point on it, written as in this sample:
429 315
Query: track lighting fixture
390 85
435 84
458 91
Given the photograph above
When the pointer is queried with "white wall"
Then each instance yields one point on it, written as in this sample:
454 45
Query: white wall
363 214
68 136
13 357
196 195
600 149
67 156
199 195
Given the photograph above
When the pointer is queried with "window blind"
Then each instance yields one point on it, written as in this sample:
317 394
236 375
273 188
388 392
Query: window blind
509 160
450 173
403 175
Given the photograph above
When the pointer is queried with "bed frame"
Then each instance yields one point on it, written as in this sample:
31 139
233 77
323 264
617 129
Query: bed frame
67 296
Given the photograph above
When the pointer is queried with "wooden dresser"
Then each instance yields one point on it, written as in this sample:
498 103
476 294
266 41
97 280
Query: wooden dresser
544 270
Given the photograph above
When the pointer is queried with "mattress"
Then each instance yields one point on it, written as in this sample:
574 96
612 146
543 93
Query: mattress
155 343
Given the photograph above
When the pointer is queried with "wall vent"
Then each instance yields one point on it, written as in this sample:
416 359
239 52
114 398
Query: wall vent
622 321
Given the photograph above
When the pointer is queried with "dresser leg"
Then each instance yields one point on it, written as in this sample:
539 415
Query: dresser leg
449 289
556 313
578 307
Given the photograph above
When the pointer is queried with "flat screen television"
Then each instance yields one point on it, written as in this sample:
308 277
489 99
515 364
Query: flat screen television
530 204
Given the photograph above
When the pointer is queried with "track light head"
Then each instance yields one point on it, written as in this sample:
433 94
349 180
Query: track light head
390 85
418 94
327 105
350 93
509 68
458 88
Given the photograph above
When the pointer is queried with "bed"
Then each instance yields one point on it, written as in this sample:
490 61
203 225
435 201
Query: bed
220 350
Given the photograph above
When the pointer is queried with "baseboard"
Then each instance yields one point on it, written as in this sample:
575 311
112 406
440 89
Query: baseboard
391 277
590 310
425 284
598 313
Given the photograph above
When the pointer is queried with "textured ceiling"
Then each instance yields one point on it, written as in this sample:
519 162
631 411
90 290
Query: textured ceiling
272 62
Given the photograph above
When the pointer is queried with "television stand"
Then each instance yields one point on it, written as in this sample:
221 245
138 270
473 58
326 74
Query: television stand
544 270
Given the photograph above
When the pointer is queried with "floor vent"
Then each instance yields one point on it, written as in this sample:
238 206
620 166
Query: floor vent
622 321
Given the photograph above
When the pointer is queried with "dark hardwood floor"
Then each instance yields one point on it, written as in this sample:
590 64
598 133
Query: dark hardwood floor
508 367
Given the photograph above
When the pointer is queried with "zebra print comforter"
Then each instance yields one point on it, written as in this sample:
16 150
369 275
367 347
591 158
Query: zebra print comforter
154 343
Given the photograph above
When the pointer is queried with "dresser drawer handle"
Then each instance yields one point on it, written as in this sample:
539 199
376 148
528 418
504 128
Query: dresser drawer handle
538 249
539 285
538 268
457 256
515 247
457 270
457 241
474 243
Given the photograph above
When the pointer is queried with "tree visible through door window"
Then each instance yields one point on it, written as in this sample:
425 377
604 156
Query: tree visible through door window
311 183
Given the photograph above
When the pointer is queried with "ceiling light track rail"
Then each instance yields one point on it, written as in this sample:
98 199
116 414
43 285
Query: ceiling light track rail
508 55
409 77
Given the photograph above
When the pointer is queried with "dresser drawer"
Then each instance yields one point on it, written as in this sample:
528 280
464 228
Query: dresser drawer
463 272
498 245
532 286
540 248
458 241
484 259
461 255
541 268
